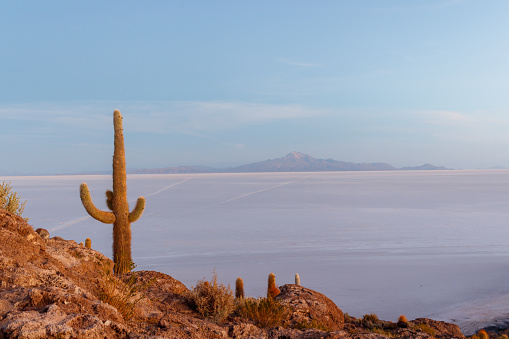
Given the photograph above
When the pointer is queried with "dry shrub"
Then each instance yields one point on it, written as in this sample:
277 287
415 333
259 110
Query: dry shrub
122 294
313 324
425 328
10 201
211 299
265 312
383 333
371 317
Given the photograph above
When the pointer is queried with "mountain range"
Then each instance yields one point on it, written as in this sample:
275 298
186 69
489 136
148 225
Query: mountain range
293 162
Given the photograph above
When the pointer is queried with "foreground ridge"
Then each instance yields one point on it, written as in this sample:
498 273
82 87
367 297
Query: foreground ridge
55 288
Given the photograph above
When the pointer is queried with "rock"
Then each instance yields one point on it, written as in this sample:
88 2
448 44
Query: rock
441 328
43 233
311 308
244 331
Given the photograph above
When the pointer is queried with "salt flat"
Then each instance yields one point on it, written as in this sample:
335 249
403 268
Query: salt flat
419 243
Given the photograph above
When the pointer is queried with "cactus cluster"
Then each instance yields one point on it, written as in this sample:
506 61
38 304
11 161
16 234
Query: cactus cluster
116 200
272 289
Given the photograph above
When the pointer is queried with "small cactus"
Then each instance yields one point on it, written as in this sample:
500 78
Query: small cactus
482 334
81 244
88 243
297 279
272 290
239 288
402 321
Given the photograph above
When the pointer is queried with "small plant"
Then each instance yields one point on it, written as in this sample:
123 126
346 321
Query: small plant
425 328
272 290
370 321
297 279
371 317
265 312
382 332
88 243
239 288
482 334
402 321
123 295
312 324
211 299
10 201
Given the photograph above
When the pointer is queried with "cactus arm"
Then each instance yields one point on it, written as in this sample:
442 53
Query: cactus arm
109 199
105 217
138 210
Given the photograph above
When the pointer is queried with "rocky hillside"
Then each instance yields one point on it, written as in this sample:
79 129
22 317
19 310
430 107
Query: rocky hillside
54 288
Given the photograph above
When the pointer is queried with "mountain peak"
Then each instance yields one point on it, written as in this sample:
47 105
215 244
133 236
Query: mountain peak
298 155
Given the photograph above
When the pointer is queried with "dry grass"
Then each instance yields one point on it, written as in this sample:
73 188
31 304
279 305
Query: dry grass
123 295
371 317
10 201
265 312
425 328
313 324
384 333
211 299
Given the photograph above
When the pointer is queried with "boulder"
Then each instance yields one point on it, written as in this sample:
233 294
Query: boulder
311 308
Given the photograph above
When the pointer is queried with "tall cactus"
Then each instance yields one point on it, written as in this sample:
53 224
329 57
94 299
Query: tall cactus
117 203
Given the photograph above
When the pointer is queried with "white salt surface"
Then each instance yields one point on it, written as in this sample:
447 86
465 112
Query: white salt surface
419 243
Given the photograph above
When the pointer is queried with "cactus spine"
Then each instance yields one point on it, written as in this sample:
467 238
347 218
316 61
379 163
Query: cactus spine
88 243
272 289
117 203
297 279
239 288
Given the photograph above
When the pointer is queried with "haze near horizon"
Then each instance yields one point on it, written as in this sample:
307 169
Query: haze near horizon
228 83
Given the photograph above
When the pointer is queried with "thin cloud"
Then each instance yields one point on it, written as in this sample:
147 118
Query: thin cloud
295 63
194 118
439 117
415 6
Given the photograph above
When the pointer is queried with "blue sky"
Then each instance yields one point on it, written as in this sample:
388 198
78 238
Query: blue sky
231 82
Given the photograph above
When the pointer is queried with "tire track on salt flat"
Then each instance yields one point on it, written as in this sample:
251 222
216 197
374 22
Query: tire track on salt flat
166 188
253 193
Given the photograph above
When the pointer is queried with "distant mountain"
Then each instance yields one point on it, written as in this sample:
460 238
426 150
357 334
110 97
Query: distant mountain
300 162
498 167
293 162
427 167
